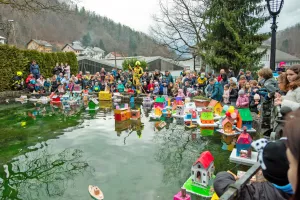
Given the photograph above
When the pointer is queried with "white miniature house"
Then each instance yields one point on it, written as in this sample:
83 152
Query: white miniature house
203 169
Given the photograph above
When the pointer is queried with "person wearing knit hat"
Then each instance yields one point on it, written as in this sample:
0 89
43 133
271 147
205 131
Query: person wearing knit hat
255 103
273 160
243 100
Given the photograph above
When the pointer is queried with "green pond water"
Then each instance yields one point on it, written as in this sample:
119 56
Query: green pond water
46 153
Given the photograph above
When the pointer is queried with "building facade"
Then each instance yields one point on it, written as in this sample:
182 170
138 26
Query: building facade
39 45
75 47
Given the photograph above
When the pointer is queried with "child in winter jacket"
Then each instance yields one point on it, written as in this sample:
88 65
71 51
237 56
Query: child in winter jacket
254 104
233 94
156 88
243 100
226 95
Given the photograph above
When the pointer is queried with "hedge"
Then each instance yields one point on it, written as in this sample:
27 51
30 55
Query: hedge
13 59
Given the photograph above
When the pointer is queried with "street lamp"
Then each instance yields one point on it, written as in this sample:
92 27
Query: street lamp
274 7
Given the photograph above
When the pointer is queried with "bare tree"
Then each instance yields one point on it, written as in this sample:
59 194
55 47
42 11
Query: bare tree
37 5
180 24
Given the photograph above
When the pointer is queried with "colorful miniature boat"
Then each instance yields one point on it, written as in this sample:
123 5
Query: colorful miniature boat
95 192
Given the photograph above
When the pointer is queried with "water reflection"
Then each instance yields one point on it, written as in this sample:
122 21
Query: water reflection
176 152
40 173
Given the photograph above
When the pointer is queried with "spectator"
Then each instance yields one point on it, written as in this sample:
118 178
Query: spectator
169 77
292 98
222 71
248 76
230 73
233 94
79 75
35 69
217 91
68 70
243 100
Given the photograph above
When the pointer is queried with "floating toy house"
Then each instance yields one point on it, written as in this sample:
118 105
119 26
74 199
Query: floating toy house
182 195
203 169
159 102
227 126
217 107
104 96
156 113
122 114
189 106
202 175
244 118
207 117
56 98
179 116
135 114
93 104
243 145
147 102
77 89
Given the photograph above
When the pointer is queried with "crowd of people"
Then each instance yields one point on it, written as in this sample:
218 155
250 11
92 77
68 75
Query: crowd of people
240 91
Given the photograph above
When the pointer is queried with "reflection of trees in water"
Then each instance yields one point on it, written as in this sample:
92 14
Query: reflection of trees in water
46 175
176 152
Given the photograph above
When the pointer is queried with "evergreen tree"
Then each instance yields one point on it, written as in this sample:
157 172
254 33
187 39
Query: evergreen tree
232 35
76 9
82 11
87 40
101 45
132 45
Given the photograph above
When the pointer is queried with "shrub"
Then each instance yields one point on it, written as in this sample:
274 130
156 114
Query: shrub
13 59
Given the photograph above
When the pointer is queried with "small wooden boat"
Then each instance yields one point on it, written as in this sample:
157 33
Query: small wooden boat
95 192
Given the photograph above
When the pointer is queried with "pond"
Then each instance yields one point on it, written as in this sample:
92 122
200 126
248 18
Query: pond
46 153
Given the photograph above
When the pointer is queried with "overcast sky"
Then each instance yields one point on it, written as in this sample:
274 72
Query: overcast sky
137 14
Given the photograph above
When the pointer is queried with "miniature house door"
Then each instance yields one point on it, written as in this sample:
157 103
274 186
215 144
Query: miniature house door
198 177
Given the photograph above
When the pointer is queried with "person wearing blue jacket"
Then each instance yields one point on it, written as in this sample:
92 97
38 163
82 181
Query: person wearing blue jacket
217 91
35 70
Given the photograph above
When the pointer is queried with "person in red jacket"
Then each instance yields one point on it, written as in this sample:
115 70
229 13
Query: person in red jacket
222 71
29 77
150 86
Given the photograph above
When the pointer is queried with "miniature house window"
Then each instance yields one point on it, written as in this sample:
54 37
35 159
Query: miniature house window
204 174
203 181
199 166
193 172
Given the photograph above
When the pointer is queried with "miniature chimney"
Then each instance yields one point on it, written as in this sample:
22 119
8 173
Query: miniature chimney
183 192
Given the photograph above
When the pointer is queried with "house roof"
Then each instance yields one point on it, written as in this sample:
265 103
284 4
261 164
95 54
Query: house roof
205 159
97 49
245 114
226 120
212 103
244 138
283 56
41 42
207 115
280 55
116 54
160 100
75 45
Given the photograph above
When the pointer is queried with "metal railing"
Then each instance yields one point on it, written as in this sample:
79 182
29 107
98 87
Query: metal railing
232 191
